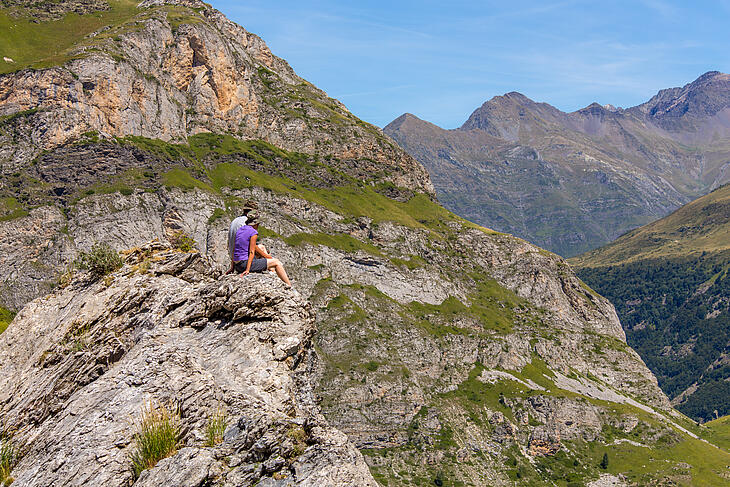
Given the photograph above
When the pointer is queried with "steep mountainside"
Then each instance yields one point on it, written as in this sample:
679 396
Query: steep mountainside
670 283
447 353
573 181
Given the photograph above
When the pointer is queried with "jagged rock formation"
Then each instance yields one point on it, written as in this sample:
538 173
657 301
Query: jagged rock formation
573 181
79 365
445 352
541 364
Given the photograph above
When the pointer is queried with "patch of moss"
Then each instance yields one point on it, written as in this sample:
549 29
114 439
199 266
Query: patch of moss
490 305
178 15
413 262
6 317
350 311
538 372
8 119
181 178
160 148
11 209
216 215
342 242
474 394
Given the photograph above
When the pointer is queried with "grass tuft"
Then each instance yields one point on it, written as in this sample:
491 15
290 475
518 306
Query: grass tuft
215 428
8 458
6 316
299 439
181 241
157 435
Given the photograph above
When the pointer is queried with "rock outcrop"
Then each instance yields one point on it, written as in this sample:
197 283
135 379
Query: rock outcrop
177 68
79 366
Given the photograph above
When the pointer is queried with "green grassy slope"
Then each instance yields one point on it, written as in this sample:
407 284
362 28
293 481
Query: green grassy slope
700 226
42 44
212 162
669 282
719 432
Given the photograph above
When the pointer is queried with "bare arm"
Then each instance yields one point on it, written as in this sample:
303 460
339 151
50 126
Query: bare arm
251 253
263 254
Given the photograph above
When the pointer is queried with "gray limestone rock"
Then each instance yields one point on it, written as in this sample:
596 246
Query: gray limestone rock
79 365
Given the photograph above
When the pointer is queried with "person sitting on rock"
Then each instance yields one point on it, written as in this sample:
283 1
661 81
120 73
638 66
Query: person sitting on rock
245 251
237 223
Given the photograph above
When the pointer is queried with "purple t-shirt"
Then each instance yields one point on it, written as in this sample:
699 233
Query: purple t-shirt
243 240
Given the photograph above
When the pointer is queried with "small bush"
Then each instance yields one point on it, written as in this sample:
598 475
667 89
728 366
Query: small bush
8 458
216 427
100 260
156 436
299 439
181 241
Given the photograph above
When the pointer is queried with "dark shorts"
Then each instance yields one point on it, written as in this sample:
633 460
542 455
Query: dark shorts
258 264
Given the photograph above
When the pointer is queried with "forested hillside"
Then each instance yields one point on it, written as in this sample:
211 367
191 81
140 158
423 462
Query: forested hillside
670 283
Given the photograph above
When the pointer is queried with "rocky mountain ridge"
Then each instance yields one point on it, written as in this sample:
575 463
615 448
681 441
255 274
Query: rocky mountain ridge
520 166
175 69
445 352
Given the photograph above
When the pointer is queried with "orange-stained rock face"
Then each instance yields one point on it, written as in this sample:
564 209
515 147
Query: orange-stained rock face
167 80
544 442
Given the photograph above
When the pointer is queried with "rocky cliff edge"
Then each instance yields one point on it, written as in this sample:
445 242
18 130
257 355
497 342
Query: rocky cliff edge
81 364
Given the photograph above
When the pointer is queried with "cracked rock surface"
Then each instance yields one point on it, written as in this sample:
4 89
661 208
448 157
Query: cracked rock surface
79 365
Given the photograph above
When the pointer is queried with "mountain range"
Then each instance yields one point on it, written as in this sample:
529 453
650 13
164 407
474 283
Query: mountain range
414 348
571 182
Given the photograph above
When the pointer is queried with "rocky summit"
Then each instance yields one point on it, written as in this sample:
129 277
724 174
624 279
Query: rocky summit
571 182
415 348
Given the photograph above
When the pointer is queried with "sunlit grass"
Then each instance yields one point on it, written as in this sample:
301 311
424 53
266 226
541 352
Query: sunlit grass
157 435
8 458
215 428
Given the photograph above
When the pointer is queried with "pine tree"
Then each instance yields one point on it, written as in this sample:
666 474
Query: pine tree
604 461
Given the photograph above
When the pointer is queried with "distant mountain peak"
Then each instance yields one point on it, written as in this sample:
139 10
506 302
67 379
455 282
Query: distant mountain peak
710 75
517 95
678 109
404 118
512 96
594 106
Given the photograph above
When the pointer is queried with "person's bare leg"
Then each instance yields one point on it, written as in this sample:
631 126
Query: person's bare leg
279 268
263 249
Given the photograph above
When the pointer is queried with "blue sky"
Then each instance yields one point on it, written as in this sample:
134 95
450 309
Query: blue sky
441 60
